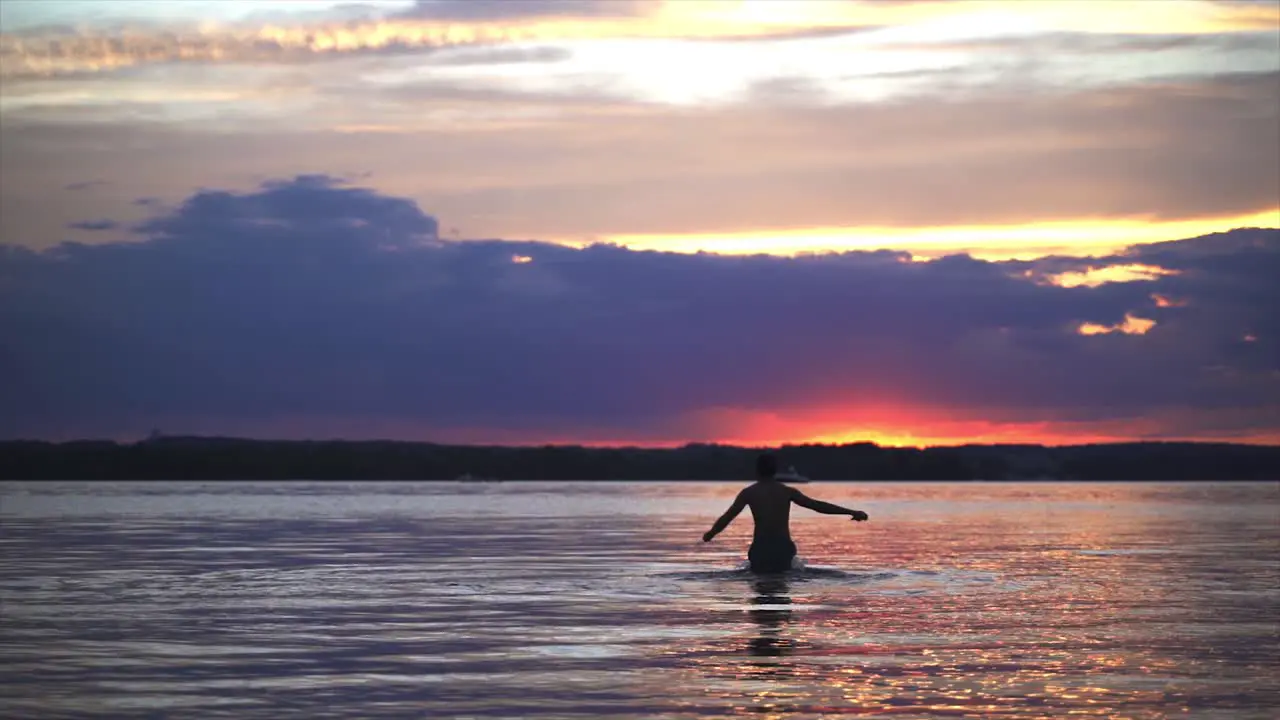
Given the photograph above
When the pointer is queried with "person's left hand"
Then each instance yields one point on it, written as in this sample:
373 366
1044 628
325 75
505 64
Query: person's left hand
706 536
858 516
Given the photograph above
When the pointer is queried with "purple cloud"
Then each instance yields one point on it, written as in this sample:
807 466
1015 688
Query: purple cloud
95 225
310 299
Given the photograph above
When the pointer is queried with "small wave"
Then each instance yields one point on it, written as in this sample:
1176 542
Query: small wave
801 573
1123 551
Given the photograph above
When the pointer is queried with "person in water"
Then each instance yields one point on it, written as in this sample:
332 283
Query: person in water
770 501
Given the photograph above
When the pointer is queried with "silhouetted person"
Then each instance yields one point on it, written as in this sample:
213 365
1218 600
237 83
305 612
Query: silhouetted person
771 546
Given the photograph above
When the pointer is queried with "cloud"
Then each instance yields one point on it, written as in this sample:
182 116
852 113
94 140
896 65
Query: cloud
492 10
83 185
505 164
37 56
309 304
434 24
94 225
55 51
308 209
503 55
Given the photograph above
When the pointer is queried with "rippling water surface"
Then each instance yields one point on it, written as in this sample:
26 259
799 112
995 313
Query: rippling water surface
552 600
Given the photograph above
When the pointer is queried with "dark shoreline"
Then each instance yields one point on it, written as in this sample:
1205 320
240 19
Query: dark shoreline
213 458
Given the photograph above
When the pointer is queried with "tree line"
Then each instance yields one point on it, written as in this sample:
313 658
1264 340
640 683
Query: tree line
205 458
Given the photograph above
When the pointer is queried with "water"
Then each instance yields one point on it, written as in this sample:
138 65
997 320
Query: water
545 600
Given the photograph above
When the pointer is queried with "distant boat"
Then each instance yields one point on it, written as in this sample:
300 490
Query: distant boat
791 476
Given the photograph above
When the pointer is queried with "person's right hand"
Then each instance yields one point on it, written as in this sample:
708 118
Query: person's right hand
858 515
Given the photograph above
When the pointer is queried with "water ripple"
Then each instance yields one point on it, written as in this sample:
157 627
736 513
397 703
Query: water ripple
380 600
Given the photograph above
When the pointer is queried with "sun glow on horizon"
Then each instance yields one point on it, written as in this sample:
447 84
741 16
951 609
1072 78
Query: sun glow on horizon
1027 241
886 424
912 426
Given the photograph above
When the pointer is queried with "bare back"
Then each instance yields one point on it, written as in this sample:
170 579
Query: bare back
770 503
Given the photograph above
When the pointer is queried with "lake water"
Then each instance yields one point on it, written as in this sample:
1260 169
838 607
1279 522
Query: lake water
580 600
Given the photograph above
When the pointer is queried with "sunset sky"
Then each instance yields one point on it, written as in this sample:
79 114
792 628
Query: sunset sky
641 222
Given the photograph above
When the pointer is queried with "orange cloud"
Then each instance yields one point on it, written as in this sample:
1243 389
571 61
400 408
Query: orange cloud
1093 277
1131 326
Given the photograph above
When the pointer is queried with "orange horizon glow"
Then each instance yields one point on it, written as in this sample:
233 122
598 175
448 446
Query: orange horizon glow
1028 241
757 429
991 434
887 424
905 426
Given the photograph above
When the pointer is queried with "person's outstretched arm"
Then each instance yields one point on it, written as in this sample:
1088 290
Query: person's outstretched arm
723 521
826 508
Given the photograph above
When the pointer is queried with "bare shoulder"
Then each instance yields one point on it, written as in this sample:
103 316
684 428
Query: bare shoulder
798 497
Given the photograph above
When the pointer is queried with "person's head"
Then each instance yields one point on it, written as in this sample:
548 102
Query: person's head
766 465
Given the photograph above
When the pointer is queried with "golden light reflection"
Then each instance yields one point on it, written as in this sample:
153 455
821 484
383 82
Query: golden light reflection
989 242
521 259
929 621
954 623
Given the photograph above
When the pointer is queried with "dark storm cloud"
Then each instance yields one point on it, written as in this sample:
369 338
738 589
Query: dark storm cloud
1229 282
306 298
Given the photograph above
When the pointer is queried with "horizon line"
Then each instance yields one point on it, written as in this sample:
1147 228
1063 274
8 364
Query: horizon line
635 446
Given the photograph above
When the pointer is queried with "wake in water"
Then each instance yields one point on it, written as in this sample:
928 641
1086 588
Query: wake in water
878 581
800 571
